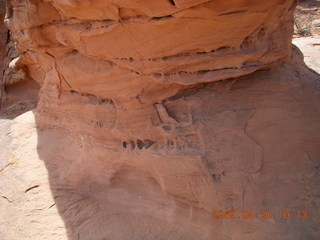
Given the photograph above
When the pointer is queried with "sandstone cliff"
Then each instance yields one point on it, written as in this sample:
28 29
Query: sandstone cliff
153 114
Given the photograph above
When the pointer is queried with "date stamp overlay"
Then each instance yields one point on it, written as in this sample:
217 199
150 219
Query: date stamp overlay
262 215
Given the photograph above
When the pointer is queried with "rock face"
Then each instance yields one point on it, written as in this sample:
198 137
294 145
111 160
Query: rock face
307 18
3 42
18 93
141 53
153 114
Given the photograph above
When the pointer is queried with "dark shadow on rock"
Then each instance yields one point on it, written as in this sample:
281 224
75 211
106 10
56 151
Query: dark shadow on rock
19 98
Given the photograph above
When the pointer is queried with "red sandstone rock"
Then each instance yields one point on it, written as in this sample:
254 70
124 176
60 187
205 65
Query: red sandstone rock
3 42
159 49
153 114
18 93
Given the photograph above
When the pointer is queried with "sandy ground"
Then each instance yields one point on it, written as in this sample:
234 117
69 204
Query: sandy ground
310 47
29 203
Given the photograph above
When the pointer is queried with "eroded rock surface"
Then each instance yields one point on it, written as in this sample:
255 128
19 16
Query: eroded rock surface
143 52
154 114
307 18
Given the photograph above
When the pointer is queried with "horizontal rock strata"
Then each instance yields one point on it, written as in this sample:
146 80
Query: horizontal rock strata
152 114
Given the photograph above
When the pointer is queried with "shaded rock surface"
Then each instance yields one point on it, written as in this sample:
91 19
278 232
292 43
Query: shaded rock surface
152 115
3 43
18 93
